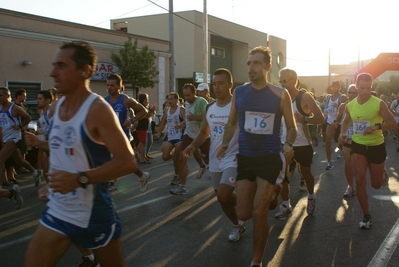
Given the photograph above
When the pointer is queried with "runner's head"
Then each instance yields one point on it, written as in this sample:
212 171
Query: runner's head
288 78
352 91
114 84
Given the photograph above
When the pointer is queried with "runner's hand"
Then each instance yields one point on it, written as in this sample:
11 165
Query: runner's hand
31 139
188 151
221 150
43 193
63 182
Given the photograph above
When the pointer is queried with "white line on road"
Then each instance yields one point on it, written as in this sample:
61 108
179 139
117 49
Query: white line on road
143 204
15 242
26 238
387 248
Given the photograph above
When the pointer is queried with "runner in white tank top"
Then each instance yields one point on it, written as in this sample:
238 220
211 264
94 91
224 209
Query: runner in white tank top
173 118
332 130
223 170
306 112
79 208
12 120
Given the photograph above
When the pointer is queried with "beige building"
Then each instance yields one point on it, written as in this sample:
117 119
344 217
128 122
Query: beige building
28 44
229 44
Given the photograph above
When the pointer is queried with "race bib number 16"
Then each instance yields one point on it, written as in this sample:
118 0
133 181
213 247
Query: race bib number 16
259 122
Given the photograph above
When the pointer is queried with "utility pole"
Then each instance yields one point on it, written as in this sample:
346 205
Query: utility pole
205 47
172 87
329 66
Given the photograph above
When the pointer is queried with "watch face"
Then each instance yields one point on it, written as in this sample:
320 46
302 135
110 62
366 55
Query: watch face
83 179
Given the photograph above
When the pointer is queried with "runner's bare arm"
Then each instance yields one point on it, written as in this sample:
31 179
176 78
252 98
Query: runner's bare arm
340 113
231 125
345 123
32 141
286 108
109 131
138 108
389 120
20 112
203 134
318 117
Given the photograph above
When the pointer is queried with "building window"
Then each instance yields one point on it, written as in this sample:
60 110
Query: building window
217 52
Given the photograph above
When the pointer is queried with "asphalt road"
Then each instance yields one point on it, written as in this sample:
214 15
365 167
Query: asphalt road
160 229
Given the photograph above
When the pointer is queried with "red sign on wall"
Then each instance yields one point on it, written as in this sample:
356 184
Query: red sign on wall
103 70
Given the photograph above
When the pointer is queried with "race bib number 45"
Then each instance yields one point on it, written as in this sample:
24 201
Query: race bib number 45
259 122
360 126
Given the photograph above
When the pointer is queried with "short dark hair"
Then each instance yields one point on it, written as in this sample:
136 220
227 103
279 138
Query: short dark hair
5 90
364 77
267 53
226 72
19 92
142 97
46 94
190 86
84 54
116 78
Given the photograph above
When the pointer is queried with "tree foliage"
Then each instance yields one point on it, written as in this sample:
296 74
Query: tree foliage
393 84
387 88
137 66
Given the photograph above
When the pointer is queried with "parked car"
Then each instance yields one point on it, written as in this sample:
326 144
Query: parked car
31 156
32 110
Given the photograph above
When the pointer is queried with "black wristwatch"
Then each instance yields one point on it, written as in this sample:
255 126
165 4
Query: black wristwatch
379 125
83 179
306 119
20 126
289 143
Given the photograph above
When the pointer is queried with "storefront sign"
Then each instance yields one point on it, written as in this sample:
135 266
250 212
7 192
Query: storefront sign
103 70
199 77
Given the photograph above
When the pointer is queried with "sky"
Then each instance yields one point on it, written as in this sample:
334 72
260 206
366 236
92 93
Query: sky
350 30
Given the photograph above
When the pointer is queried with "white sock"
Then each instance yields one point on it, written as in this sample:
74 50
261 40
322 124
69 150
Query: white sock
286 203
35 173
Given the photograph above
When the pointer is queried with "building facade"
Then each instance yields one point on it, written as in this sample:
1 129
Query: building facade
29 42
228 44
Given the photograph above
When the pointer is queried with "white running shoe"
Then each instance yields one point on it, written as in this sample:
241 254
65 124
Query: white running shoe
329 166
350 192
284 213
302 185
178 190
236 233
200 172
311 205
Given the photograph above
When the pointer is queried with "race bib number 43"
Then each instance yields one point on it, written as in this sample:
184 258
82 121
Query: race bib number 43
360 126
259 122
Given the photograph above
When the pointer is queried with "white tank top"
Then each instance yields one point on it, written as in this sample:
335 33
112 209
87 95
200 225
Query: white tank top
301 139
332 109
45 124
217 118
72 149
7 121
171 121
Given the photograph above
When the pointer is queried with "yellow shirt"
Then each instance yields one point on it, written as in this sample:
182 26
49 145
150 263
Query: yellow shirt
365 115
